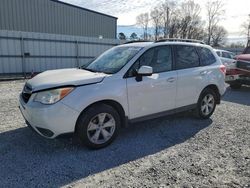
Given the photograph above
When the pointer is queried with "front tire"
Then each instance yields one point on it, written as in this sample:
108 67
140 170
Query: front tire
98 126
206 104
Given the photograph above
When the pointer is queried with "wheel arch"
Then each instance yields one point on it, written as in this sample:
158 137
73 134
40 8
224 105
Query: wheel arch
216 90
116 105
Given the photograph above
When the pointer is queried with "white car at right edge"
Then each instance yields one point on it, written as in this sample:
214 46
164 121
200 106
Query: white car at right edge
126 84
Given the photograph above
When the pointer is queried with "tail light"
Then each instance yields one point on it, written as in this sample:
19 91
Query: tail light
223 69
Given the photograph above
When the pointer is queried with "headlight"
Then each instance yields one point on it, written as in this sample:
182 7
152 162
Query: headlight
52 96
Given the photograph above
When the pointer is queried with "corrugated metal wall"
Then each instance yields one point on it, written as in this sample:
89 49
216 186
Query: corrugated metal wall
50 16
26 52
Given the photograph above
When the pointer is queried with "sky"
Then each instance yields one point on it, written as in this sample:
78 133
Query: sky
236 11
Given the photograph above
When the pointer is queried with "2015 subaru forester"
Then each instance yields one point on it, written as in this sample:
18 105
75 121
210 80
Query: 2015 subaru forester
128 83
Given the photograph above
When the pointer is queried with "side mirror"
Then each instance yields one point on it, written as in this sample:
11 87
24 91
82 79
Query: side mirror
144 71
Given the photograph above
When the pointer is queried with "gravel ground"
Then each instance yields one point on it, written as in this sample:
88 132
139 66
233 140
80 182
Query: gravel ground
175 151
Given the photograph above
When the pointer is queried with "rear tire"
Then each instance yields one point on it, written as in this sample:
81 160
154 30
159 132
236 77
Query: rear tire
235 85
98 126
206 104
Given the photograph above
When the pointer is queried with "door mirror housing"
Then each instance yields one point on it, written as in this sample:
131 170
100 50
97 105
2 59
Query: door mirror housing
143 71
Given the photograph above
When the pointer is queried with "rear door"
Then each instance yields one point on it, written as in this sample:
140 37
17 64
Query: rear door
191 76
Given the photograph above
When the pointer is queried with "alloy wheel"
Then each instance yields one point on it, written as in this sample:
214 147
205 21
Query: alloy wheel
101 128
207 104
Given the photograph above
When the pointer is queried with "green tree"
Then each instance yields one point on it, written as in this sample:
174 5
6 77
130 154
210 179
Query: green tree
122 36
133 36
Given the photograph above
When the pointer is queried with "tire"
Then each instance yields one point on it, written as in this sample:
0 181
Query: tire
235 86
98 126
206 104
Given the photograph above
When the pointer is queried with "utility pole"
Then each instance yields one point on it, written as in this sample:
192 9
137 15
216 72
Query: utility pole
248 32
167 27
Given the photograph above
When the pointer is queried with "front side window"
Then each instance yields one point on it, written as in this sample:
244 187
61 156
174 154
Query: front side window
206 56
186 57
113 60
226 55
159 58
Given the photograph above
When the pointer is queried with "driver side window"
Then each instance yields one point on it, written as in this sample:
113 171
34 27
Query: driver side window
159 58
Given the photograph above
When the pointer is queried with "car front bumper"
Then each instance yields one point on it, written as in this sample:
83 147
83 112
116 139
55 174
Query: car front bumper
231 78
242 79
49 121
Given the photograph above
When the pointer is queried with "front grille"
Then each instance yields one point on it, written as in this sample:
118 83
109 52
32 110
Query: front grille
26 93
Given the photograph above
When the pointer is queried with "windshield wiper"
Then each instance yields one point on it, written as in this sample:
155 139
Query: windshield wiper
90 70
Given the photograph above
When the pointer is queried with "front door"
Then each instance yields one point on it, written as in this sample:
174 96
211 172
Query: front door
154 93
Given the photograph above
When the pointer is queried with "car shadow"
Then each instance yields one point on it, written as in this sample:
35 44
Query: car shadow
30 160
240 96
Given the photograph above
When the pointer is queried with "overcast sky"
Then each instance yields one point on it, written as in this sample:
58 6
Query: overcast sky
126 10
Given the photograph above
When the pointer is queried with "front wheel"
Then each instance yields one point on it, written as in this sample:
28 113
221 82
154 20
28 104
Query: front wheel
206 104
98 126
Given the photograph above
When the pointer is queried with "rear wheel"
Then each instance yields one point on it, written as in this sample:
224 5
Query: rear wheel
206 104
98 126
235 85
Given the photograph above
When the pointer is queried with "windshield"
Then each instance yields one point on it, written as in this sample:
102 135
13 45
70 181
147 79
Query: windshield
113 60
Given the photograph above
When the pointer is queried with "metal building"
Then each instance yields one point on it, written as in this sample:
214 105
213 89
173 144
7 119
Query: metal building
55 17
39 35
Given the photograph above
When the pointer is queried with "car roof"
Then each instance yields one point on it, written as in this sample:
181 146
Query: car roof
137 44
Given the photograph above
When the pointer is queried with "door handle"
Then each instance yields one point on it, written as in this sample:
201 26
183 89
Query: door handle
172 79
203 73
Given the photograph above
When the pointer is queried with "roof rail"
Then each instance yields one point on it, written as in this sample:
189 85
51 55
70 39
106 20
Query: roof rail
180 40
134 41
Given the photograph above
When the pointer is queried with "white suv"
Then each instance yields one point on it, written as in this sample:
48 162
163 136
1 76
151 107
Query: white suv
128 83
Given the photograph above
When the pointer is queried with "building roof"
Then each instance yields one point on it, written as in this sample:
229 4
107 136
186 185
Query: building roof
75 6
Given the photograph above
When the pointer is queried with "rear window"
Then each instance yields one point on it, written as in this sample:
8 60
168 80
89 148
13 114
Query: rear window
186 57
206 56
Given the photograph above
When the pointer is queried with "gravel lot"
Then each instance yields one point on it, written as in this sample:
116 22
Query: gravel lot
175 151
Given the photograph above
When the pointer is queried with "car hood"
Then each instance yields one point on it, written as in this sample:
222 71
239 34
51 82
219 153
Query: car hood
64 77
244 57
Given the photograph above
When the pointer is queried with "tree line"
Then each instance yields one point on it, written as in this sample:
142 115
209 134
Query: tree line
171 19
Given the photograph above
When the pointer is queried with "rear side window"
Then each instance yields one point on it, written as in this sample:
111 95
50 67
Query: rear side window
206 56
186 57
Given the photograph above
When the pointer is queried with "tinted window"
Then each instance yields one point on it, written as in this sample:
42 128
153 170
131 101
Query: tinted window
218 53
159 58
226 55
186 57
206 56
